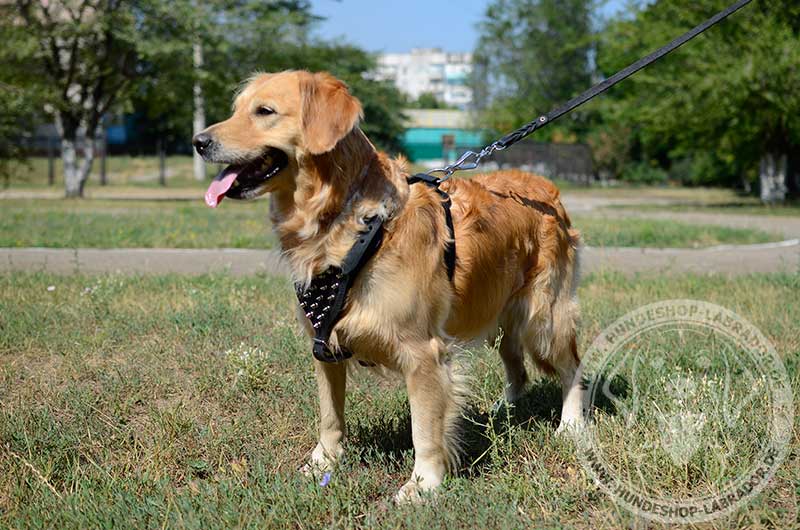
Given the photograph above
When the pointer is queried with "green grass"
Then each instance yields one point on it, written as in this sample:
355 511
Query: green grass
633 232
123 223
128 402
601 231
128 171
190 224
742 207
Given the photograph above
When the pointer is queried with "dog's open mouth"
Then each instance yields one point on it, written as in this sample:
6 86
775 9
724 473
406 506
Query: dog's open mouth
241 181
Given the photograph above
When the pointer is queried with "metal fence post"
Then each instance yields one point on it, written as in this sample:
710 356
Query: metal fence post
162 162
51 162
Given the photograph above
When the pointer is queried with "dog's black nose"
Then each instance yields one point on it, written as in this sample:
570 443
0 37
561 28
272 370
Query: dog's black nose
202 142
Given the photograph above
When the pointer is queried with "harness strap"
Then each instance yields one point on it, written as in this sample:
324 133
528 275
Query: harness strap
324 299
450 246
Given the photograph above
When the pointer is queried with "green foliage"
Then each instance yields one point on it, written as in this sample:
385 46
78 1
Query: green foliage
137 57
232 36
15 116
80 58
722 100
531 56
428 100
644 173
702 168
706 114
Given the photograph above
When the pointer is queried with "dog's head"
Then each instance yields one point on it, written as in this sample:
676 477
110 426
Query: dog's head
278 121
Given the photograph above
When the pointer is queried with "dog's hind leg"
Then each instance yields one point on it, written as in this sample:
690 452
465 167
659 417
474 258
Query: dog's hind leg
567 364
512 352
331 382
550 337
435 393
559 356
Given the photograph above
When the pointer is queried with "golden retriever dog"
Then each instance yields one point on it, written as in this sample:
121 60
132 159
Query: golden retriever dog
296 135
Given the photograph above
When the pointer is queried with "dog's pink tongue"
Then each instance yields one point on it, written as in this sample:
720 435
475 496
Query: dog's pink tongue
219 186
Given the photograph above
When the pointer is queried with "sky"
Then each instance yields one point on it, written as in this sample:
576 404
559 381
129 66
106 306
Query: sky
398 26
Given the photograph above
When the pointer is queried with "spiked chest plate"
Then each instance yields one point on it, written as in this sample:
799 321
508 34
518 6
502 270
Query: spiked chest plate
324 299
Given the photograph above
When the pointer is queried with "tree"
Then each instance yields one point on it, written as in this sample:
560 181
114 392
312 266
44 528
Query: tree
221 42
729 101
81 57
428 100
231 33
531 56
14 115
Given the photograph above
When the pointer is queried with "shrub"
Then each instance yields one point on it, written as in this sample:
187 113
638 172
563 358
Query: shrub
644 173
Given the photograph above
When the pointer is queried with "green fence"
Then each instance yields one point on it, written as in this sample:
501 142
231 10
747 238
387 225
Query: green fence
426 143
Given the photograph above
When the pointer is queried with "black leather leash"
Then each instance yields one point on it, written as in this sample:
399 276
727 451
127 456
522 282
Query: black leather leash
465 162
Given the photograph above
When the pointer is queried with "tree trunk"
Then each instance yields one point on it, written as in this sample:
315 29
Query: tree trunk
69 159
772 175
199 122
76 171
793 174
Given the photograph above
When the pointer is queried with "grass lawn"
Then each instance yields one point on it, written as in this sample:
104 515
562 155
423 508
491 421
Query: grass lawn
129 402
125 171
742 207
599 231
122 223
190 224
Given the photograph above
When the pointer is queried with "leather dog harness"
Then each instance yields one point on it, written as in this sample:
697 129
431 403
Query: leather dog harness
324 299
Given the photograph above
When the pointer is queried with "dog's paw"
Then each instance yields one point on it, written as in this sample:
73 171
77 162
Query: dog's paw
410 493
570 426
415 491
315 469
321 461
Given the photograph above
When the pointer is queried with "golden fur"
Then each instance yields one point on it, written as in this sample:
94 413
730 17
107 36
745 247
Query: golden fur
516 260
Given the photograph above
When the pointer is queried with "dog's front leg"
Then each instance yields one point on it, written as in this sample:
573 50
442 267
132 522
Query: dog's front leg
433 396
331 382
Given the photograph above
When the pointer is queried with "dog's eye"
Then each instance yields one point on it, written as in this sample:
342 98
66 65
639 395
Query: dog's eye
263 110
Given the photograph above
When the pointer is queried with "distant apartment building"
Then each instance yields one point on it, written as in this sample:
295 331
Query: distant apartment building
443 74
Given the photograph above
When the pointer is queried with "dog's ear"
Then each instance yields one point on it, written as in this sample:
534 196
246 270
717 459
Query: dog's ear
329 111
